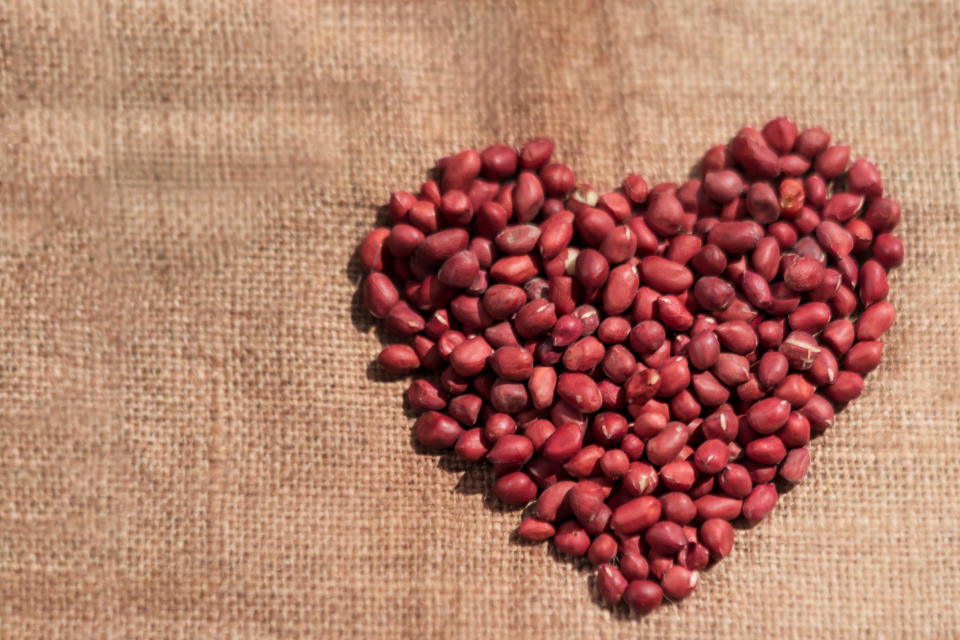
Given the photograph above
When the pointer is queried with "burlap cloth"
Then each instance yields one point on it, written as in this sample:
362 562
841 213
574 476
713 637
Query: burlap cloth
193 442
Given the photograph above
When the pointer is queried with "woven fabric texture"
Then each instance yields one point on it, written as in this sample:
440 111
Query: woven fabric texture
193 440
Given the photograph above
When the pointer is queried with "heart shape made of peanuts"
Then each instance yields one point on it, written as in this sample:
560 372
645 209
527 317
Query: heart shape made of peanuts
643 367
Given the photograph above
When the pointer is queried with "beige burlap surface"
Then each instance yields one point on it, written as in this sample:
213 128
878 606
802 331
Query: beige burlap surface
193 441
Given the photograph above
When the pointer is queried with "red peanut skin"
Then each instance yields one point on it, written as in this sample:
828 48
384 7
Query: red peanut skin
863 357
517 239
679 582
618 364
614 464
795 465
847 387
436 430
571 539
864 178
424 395
584 355
542 385
593 225
663 447
715 506
732 369
528 197
678 507
723 185
711 456
536 530
752 153
735 237
636 515
539 431
584 463
379 294
514 269
372 249
665 275
535 318
811 142
674 377
717 536
515 488
635 187
665 537
621 288
714 294
796 432
512 363
888 250
704 350
611 583
498 161
762 203
832 161
439 246
470 357
768 415
761 501
737 336
769 450
803 274
551 504
781 134
716 158
632 562
461 170
882 215
643 595
465 408
875 321
512 450
536 153
586 500
472 445
564 443
873 285
678 475
641 479
580 391
664 213
558 179
398 359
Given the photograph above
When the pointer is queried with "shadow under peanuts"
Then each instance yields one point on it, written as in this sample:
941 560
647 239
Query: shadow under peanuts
359 316
475 479
375 372
783 488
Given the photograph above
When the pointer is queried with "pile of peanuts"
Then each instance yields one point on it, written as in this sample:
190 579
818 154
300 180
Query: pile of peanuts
641 367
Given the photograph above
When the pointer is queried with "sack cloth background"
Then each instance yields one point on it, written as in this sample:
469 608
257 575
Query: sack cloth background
194 441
